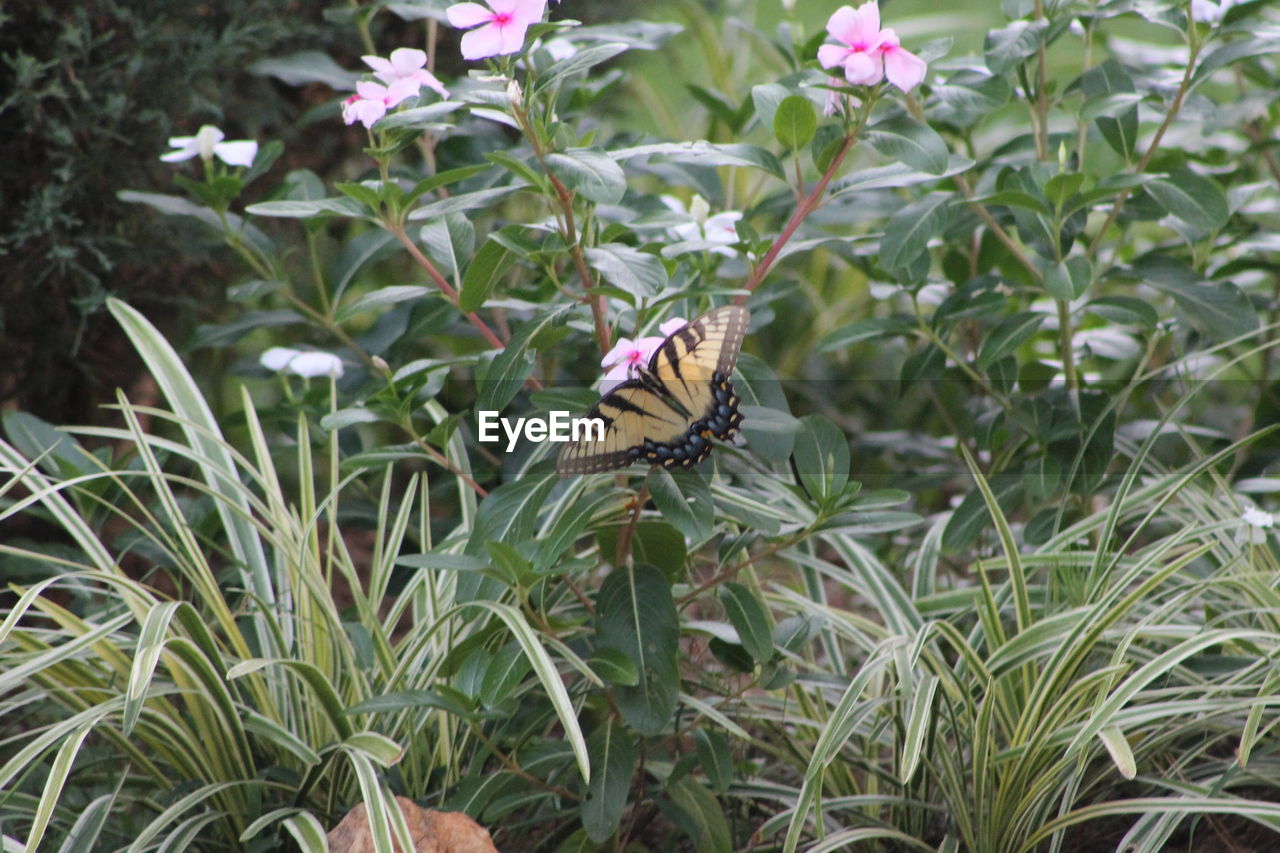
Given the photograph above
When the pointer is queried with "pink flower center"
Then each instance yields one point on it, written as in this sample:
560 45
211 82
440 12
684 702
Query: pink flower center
635 357
502 18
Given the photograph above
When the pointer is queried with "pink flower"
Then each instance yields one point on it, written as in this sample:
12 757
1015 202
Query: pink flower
372 100
628 356
867 53
405 63
501 27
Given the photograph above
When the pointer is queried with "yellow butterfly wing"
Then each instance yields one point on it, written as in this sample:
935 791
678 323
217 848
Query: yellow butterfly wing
670 412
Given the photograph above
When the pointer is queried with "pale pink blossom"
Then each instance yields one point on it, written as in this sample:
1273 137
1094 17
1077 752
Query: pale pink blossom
499 28
832 104
372 100
866 53
629 356
405 63
207 143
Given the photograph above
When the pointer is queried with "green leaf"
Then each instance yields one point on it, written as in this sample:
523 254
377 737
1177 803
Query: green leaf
519 168
307 209
767 97
1195 199
306 66
1221 311
591 172
584 59
1069 279
1124 309
1062 187
463 202
703 153
483 274
714 757
684 499
654 542
613 758
910 229
911 142
706 823
503 675
501 377
614 666
1106 86
444 179
1232 52
636 614
379 299
420 118
795 121
1009 334
515 569
1012 45
638 273
821 457
749 618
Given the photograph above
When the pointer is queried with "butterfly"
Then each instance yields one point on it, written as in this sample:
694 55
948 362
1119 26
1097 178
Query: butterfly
668 414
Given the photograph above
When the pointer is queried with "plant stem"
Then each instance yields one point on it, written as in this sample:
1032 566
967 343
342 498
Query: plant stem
807 205
1174 109
443 283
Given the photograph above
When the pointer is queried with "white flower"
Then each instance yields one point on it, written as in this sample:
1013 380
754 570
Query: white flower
560 48
1208 12
1257 525
300 363
720 228
207 143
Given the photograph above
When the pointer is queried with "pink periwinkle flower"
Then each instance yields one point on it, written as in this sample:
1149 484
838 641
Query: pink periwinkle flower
628 356
405 63
867 53
372 100
499 26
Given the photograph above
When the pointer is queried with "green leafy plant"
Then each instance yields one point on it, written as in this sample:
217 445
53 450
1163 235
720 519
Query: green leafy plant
985 574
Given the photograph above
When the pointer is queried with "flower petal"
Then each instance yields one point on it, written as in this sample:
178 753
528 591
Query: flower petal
843 24
512 35
863 69
463 15
430 80
869 22
672 325
381 68
722 227
903 68
277 358
407 60
483 42
618 353
238 153
369 111
400 90
315 364
831 55
184 153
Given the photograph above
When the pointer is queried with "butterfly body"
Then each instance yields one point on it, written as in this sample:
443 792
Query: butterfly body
676 405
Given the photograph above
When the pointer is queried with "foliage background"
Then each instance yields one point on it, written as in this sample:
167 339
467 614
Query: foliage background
976 652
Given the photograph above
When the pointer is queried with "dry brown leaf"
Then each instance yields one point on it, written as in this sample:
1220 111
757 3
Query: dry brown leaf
431 831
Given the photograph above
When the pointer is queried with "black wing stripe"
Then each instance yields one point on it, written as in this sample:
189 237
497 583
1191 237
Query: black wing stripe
681 376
